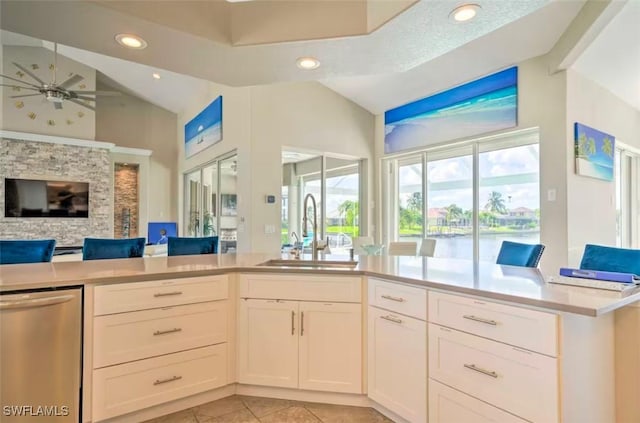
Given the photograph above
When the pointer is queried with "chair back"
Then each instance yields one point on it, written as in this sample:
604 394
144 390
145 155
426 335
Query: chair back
359 241
518 254
428 247
610 259
402 248
107 248
183 246
26 251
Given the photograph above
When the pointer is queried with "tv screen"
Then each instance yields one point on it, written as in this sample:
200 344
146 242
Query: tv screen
38 198
158 232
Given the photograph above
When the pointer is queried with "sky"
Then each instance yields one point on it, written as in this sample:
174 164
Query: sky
519 166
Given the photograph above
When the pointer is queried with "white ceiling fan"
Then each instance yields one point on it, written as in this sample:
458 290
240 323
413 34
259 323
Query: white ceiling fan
52 91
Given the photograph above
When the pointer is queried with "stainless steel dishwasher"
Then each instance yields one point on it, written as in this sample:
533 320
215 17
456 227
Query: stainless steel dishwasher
40 356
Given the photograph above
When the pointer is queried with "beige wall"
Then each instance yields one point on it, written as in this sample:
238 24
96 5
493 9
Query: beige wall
257 123
131 122
72 121
591 202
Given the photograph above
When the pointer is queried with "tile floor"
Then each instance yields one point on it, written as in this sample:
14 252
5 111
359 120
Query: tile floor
244 409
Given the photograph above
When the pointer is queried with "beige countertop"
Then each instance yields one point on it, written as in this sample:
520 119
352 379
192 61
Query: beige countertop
517 285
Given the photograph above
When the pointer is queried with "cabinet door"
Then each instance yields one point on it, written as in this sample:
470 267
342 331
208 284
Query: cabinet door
398 363
331 347
268 343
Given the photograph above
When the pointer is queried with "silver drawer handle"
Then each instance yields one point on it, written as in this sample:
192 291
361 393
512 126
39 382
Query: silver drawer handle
389 297
171 379
480 319
391 319
167 294
480 370
164 332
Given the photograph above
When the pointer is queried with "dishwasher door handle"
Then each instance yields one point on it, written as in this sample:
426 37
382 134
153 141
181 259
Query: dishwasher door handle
35 302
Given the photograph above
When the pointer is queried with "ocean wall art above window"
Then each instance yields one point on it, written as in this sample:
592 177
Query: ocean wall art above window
478 107
205 129
594 152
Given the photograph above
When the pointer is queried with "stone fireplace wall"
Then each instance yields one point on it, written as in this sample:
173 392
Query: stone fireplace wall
125 203
58 162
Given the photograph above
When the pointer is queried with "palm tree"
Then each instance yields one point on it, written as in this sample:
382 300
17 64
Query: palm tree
496 203
591 147
348 209
453 213
582 145
607 146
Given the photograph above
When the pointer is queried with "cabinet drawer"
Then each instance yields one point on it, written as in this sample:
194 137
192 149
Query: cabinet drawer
447 405
519 381
129 387
135 296
300 286
529 329
404 299
124 337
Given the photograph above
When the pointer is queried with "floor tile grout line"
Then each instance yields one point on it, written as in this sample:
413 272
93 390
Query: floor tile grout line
313 414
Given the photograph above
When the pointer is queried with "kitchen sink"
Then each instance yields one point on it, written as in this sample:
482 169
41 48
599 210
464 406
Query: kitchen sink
316 264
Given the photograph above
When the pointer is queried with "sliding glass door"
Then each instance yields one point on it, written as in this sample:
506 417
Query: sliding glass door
210 202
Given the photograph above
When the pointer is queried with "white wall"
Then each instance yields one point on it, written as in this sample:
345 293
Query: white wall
131 122
258 122
591 202
72 121
541 103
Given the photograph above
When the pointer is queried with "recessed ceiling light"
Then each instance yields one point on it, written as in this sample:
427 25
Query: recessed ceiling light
307 63
131 41
464 13
156 75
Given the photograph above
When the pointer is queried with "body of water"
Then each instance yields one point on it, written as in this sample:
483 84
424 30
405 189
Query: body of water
462 246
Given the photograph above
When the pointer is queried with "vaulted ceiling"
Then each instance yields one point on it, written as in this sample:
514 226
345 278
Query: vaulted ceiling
409 51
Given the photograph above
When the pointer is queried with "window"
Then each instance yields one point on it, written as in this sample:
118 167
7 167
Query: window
335 185
627 173
494 182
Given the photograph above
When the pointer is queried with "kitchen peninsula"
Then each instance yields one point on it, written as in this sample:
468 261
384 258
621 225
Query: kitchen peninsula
420 339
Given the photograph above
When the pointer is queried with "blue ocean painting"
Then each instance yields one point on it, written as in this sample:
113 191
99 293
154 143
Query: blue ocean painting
205 129
484 105
594 152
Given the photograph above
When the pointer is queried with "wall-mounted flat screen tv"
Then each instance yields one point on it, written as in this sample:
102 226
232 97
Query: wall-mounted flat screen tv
38 198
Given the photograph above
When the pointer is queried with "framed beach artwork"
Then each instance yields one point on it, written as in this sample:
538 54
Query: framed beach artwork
205 129
478 107
228 205
594 152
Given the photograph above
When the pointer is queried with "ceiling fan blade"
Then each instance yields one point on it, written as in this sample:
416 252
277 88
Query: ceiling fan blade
103 93
15 86
20 81
73 100
25 95
81 97
28 72
71 81
58 106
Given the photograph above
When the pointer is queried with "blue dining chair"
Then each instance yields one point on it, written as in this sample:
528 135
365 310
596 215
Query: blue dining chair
610 259
518 254
106 248
183 246
26 251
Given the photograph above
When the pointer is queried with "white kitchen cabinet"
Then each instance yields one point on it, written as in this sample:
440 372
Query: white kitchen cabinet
330 347
304 345
398 363
268 343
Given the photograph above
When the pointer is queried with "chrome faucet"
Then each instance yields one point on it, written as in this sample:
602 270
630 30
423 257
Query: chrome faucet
314 241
